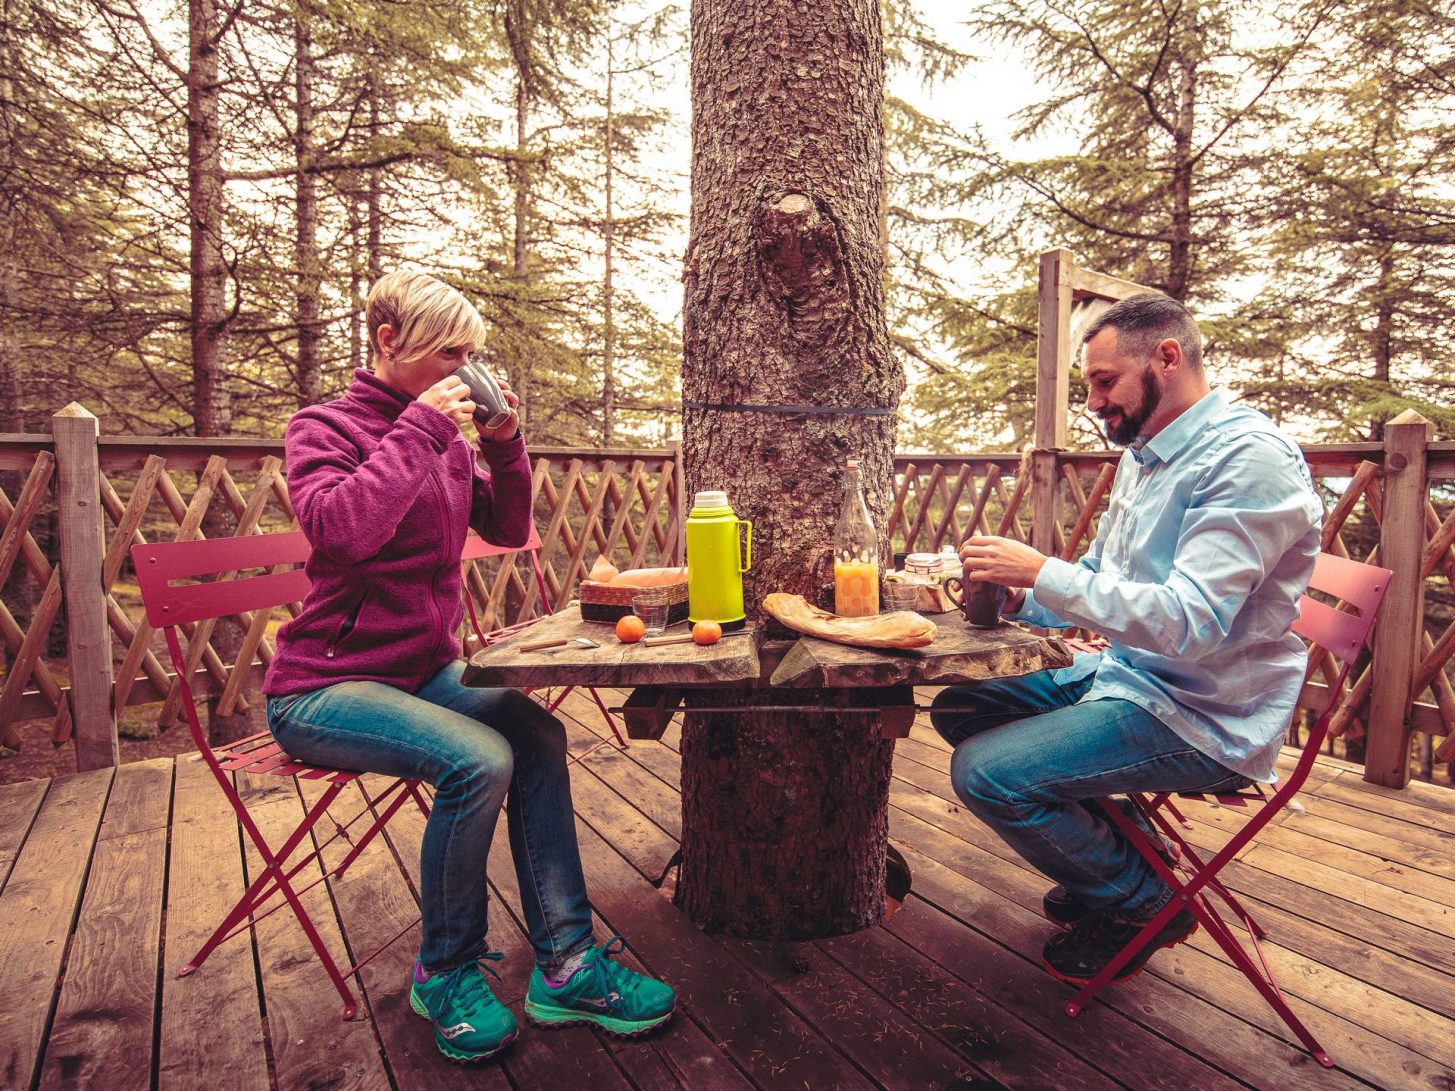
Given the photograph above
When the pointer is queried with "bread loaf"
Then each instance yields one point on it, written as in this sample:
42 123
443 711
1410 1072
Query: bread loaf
901 629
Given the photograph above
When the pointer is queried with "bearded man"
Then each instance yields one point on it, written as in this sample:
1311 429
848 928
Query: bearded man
1208 540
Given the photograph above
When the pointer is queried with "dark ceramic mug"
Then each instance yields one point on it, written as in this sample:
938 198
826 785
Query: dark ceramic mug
980 601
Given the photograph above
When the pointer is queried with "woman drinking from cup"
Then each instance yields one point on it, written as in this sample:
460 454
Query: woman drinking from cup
367 676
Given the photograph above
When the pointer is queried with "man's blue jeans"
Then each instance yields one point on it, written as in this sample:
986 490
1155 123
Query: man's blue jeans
479 748
1028 757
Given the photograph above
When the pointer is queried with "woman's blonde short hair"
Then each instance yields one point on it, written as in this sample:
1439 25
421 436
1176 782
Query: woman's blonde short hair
426 314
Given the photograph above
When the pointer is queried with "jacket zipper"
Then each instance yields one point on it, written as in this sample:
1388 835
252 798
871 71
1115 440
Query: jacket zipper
346 627
434 607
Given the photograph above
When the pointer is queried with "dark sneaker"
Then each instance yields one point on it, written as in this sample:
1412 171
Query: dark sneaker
469 1023
1065 910
1079 955
604 993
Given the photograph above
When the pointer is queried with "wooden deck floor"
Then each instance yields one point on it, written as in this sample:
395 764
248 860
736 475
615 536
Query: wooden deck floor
108 882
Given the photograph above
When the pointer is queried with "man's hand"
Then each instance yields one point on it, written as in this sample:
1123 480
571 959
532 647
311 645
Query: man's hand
451 397
1001 560
512 422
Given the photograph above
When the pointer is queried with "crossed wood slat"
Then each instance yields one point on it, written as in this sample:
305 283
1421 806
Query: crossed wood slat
627 511
570 499
25 647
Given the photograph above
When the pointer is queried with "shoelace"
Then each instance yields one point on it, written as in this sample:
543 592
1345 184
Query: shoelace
612 976
466 986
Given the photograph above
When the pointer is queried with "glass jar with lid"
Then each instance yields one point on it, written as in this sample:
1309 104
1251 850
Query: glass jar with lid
922 568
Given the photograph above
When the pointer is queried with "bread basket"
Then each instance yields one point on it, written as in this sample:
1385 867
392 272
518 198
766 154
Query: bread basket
610 602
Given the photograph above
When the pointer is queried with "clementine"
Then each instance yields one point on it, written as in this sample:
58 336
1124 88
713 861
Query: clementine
707 632
630 629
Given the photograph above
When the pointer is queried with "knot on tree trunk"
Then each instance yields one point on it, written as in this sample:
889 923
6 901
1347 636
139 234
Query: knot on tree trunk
802 261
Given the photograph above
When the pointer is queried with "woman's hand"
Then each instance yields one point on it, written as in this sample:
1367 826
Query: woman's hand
512 422
451 397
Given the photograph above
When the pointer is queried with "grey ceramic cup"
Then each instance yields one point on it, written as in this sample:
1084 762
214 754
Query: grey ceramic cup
491 410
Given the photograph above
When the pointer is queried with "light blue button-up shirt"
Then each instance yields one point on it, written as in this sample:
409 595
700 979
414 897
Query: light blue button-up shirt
1207 542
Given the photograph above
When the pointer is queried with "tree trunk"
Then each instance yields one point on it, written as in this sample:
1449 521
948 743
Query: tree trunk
210 406
1179 257
520 181
1382 338
785 817
205 207
608 330
375 198
307 266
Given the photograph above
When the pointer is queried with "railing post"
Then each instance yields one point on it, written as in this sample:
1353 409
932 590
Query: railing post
1397 633
1053 392
83 548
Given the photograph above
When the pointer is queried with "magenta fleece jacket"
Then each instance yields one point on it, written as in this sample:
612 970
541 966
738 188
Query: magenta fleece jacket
385 488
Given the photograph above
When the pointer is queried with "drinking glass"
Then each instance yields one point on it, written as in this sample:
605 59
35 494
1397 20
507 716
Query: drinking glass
652 604
901 596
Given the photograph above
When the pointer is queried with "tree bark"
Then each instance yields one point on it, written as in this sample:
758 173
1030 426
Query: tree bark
608 238
210 416
308 268
785 817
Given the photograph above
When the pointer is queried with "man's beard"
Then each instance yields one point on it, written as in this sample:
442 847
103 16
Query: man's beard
1123 428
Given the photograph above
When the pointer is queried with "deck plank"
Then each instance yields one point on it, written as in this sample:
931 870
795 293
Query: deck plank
102 1032
1357 891
303 1010
375 902
37 910
210 1021
1017 1041
19 803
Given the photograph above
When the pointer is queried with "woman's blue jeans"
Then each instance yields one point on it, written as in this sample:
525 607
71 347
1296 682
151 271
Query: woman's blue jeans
480 748
1028 758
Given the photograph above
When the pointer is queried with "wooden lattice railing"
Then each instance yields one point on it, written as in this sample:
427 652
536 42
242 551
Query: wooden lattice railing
625 504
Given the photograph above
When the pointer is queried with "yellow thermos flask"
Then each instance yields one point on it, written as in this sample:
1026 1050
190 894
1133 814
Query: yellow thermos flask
715 565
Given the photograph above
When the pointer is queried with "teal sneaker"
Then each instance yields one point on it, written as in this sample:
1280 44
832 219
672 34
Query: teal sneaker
604 993
469 1023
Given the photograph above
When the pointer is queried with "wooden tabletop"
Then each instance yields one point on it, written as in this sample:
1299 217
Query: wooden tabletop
733 659
959 654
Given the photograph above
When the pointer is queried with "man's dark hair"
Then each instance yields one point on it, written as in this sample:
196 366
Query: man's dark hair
1143 321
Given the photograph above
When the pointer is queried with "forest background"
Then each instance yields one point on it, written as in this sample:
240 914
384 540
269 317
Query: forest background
195 197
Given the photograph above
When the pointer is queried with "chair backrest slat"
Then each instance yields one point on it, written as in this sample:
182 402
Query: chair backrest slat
477 547
1341 632
167 603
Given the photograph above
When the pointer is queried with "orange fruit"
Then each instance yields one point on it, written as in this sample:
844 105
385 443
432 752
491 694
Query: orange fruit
707 632
630 628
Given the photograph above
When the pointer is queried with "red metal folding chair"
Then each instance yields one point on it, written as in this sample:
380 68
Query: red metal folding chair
1339 632
170 606
477 548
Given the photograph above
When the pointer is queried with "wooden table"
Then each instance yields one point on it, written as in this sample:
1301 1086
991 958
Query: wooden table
876 680
759 712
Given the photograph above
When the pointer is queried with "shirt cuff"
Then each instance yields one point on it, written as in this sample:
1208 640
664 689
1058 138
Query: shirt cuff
1053 584
499 452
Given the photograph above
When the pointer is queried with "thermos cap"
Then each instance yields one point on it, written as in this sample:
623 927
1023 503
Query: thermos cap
713 498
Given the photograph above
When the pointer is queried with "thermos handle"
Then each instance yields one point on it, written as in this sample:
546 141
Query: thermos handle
748 545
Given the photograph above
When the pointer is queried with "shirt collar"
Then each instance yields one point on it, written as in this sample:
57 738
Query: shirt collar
1172 440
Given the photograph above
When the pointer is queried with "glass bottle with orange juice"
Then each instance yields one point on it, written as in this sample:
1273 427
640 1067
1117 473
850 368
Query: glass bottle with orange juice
856 552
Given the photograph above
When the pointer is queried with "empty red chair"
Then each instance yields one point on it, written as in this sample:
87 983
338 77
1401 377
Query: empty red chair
477 548
1341 633
171 605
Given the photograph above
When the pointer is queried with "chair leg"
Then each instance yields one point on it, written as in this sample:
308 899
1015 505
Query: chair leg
273 872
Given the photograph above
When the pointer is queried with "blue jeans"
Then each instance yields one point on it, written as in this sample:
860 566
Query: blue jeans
1028 758
480 748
